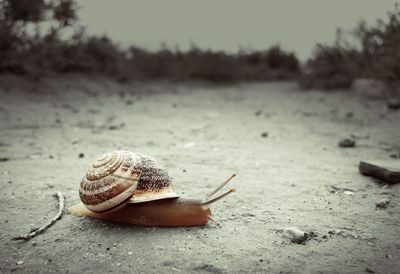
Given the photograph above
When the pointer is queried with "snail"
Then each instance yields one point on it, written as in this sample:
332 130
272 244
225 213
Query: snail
134 188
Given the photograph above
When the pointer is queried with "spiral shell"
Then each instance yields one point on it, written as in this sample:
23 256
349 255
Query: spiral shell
122 176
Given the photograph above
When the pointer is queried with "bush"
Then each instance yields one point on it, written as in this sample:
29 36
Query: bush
213 66
376 56
381 48
39 54
331 67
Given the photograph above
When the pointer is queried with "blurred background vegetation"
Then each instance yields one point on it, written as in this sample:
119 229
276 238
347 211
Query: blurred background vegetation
364 52
31 37
42 37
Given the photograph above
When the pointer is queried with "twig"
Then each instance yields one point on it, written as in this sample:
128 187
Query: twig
41 229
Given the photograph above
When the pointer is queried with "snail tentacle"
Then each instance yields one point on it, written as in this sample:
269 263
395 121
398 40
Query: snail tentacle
220 187
207 202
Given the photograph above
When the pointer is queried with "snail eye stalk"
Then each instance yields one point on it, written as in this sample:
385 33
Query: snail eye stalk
207 202
221 186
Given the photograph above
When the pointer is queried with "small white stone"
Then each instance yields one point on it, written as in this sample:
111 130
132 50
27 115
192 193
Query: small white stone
20 262
383 203
188 145
295 234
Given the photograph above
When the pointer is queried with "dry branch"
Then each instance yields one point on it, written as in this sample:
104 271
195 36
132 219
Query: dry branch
41 229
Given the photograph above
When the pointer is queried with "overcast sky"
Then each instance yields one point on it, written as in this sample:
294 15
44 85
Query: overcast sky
227 24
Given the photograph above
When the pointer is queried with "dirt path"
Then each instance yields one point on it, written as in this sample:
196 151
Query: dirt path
201 134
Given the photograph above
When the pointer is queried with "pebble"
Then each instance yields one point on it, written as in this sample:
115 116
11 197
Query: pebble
20 262
377 170
347 142
188 145
208 268
394 104
369 270
264 134
248 215
115 127
81 155
312 234
335 232
295 235
383 203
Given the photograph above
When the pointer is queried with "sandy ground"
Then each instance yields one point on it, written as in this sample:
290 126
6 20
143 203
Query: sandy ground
295 176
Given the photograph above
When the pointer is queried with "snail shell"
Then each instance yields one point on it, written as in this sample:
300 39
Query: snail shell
120 177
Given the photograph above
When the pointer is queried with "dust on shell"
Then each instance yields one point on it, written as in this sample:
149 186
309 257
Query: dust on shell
153 177
154 182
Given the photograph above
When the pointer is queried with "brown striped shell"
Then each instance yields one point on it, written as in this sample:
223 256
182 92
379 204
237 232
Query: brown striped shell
122 176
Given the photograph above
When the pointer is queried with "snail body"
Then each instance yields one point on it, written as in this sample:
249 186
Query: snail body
133 188
166 212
